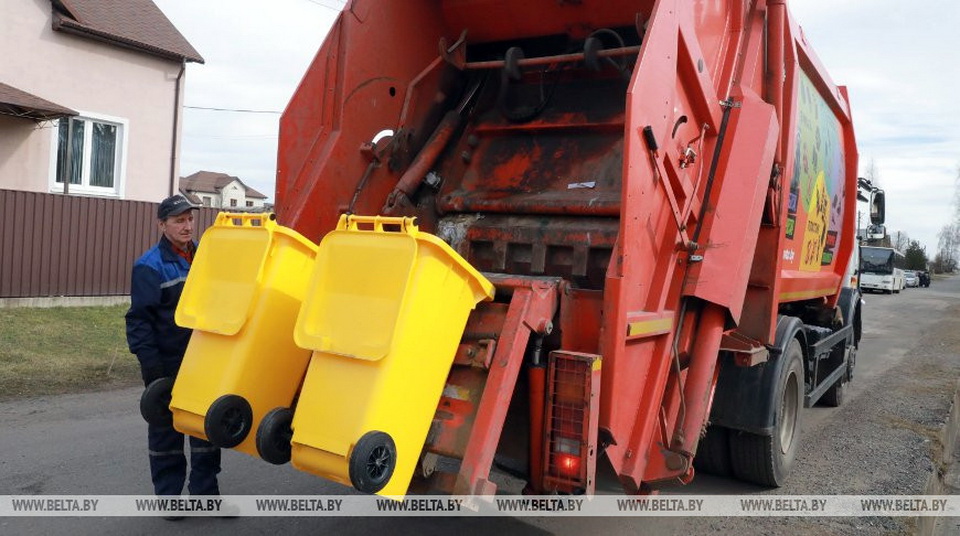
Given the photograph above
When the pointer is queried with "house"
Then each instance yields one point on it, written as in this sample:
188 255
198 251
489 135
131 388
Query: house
91 90
220 190
91 98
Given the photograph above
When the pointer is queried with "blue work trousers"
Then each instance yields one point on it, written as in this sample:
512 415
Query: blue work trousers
168 464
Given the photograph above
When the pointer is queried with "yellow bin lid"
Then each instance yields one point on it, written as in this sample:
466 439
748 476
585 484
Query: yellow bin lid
225 278
359 283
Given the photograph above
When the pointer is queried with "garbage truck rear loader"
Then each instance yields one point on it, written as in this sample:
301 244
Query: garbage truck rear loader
662 192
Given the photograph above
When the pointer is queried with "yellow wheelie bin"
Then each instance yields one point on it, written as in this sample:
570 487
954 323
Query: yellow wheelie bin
242 369
385 312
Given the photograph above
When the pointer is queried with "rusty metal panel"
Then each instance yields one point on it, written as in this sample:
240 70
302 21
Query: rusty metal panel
56 245
336 109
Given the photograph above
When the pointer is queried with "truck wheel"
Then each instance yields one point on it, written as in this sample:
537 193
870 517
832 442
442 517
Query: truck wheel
274 435
767 460
833 397
372 461
155 402
228 421
713 452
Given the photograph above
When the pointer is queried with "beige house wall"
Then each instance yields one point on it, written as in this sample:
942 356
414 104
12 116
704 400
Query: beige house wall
133 88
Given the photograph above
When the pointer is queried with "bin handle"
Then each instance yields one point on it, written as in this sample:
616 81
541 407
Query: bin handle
352 222
244 219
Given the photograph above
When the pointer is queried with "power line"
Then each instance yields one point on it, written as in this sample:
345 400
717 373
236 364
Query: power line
235 138
340 8
237 110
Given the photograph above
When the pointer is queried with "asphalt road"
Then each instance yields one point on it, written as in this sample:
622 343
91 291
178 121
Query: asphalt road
95 443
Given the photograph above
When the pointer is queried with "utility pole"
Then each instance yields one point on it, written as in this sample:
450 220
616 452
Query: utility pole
859 237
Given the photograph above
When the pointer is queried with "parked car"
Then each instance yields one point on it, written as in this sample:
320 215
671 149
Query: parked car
911 279
924 278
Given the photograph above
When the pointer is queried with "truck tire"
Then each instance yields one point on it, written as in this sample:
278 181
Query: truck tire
767 460
713 452
833 397
372 461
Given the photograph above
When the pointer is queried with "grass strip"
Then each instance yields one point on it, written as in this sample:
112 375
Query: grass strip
57 350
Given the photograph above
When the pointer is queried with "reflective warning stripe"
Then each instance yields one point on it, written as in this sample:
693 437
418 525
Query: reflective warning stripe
173 282
649 327
167 453
806 294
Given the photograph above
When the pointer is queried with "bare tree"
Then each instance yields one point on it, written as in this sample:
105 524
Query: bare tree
900 240
948 246
872 173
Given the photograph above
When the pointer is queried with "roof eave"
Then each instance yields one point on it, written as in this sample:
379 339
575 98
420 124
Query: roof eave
16 102
66 25
35 114
201 190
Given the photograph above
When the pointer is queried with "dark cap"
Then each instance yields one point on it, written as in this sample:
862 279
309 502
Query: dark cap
174 206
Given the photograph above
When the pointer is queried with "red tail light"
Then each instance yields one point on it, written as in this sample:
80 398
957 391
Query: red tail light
568 465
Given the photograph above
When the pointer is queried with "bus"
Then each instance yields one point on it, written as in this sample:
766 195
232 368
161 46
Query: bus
881 269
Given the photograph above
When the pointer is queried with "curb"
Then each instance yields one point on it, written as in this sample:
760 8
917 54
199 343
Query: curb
64 301
945 470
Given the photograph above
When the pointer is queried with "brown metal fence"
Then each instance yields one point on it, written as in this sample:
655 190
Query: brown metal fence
57 245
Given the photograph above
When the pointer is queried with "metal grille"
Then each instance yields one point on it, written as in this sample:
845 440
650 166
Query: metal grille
572 384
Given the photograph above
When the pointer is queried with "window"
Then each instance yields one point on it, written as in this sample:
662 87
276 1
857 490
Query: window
249 203
233 202
91 152
206 201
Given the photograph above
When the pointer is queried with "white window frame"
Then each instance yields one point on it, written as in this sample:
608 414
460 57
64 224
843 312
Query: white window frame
84 188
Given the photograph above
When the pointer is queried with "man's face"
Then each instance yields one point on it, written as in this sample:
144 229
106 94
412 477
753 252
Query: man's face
178 229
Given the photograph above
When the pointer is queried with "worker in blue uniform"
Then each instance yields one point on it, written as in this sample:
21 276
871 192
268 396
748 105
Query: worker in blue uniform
159 344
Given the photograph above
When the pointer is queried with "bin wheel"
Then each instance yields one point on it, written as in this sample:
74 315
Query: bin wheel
274 435
372 461
228 421
155 402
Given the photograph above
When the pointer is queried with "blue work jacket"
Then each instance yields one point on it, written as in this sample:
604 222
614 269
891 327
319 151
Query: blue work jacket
155 289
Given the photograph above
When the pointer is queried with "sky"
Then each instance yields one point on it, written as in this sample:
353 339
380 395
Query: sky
901 64
899 61
255 53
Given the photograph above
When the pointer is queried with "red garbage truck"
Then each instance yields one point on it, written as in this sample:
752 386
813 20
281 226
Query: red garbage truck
663 194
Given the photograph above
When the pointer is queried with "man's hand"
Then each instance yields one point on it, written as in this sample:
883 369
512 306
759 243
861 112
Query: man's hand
150 374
